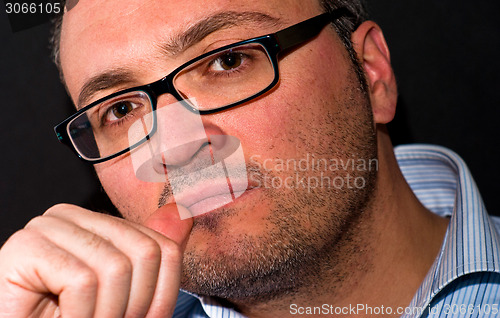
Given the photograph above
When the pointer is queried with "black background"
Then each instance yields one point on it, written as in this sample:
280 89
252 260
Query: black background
445 55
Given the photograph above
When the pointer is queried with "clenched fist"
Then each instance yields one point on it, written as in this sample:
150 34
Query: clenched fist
72 262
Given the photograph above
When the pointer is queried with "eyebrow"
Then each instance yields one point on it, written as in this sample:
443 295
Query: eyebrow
216 22
103 81
176 45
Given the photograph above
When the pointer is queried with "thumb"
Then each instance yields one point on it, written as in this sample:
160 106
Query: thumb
166 220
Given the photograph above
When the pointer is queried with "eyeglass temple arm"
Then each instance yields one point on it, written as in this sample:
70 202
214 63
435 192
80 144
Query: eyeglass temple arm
297 34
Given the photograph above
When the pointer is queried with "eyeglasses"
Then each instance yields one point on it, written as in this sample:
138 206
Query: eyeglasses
216 81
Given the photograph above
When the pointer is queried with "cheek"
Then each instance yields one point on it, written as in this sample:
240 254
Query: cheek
135 199
280 123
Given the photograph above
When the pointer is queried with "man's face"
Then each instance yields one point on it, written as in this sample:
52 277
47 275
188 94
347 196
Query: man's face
271 237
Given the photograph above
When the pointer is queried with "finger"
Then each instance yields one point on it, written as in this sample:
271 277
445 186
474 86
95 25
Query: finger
27 282
166 221
112 267
143 246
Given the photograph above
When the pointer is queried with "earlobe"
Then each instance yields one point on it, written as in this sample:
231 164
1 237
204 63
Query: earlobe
374 56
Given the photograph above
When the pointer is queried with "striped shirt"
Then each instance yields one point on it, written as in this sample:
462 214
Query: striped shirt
464 280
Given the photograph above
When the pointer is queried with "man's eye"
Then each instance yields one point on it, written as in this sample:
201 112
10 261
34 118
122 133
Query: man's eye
120 110
228 61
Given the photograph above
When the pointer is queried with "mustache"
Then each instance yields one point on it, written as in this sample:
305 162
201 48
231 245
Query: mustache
180 182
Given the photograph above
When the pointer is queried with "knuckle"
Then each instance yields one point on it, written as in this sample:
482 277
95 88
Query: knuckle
172 251
118 265
59 208
85 279
21 238
35 222
148 250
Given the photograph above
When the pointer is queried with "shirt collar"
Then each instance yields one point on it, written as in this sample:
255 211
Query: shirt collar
444 185
192 305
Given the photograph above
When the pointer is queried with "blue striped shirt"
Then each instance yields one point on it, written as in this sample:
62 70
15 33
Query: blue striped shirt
464 280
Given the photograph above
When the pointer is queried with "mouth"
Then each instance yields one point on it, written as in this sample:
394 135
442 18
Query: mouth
209 195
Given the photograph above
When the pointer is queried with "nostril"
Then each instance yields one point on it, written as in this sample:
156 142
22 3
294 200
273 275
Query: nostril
183 154
216 141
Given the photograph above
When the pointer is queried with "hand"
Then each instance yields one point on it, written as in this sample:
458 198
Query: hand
75 263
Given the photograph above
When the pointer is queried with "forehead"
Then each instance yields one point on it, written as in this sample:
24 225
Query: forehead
98 35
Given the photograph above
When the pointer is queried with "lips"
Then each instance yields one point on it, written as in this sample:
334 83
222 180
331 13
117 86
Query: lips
208 195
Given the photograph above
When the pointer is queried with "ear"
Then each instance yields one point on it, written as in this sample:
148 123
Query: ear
374 56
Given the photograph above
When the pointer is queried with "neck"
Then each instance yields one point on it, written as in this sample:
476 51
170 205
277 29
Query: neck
395 241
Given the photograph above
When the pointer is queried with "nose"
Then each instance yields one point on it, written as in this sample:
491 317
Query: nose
181 136
182 143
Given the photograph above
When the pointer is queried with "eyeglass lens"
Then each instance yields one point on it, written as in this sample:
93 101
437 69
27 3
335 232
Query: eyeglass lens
218 80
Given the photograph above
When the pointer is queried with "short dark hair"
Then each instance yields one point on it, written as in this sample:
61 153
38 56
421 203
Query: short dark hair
55 39
344 27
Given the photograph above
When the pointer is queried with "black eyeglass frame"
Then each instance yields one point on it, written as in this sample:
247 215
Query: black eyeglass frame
273 43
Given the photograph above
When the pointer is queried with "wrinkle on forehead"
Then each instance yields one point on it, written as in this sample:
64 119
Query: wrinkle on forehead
98 11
